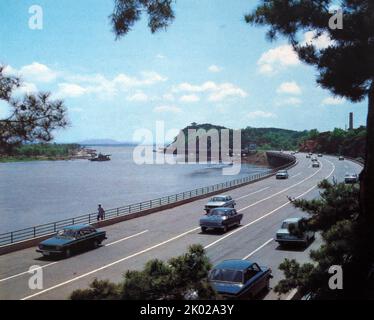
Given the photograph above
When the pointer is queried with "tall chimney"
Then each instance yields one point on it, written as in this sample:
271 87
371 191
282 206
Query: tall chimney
351 121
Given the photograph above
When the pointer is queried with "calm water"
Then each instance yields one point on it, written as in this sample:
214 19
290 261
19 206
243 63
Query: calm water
34 193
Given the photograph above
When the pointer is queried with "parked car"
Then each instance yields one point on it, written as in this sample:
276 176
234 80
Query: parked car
220 201
351 178
282 174
315 164
341 158
220 218
72 239
241 279
284 236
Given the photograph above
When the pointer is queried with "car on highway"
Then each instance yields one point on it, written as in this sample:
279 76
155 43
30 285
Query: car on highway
314 159
221 218
320 155
351 178
315 164
341 158
72 239
308 156
282 174
220 201
239 279
293 231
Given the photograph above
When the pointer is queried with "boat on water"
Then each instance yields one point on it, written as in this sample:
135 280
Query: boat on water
101 157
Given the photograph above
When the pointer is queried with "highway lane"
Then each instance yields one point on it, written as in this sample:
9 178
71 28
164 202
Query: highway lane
167 236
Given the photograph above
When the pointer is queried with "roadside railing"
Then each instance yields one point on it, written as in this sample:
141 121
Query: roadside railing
52 227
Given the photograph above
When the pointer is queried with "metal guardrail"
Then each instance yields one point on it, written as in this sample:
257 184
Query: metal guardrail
52 227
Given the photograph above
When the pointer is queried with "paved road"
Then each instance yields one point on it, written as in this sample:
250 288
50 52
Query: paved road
168 233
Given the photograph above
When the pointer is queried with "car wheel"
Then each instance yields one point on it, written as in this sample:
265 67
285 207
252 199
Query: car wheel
67 253
96 244
203 229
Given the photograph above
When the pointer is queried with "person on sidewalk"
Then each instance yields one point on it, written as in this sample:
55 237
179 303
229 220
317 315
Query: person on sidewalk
101 213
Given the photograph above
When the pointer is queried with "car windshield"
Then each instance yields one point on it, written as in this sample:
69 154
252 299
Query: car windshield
218 199
226 275
282 171
285 225
66 233
217 212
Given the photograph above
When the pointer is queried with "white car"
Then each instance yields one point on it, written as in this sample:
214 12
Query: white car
282 174
315 164
284 236
351 178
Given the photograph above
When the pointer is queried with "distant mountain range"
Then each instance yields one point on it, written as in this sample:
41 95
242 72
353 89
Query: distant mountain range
110 142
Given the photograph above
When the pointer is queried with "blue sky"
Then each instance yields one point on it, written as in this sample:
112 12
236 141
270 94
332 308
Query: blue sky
209 66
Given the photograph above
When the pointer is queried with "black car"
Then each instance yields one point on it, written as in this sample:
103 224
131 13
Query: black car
72 239
220 218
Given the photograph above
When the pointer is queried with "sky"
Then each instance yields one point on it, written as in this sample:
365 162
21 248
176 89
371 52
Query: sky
209 66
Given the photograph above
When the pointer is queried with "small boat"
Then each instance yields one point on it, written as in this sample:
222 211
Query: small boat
101 157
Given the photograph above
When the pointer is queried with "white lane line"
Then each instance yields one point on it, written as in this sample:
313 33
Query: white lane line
296 175
162 243
52 263
123 239
258 249
109 264
265 215
27 272
275 194
250 194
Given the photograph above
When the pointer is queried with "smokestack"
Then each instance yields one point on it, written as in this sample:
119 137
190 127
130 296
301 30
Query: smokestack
351 121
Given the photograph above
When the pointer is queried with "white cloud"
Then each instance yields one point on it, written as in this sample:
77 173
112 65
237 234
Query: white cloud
319 42
26 88
216 92
190 98
138 97
38 72
169 109
334 101
289 102
70 90
168 97
148 78
160 56
289 88
276 59
214 68
260 114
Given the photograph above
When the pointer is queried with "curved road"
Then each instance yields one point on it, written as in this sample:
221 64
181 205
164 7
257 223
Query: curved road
168 233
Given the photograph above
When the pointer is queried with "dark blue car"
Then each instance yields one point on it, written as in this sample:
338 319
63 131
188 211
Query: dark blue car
72 239
220 218
239 279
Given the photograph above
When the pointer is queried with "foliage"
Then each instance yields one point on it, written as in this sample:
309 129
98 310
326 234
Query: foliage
45 149
182 277
350 143
335 215
127 12
32 118
99 290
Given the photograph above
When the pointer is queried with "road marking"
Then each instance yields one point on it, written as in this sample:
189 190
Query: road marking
170 240
110 264
52 263
288 188
296 175
258 249
27 272
250 194
123 239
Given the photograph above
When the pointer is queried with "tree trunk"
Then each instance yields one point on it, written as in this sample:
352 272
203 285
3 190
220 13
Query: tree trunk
367 184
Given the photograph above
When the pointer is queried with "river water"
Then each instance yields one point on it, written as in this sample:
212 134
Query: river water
38 192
